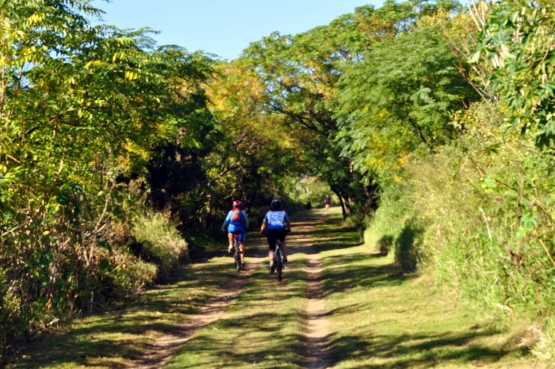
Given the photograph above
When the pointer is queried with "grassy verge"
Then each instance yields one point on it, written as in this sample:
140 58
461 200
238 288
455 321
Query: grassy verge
384 319
105 340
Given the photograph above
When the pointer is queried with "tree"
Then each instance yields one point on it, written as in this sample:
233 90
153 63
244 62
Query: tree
399 100
299 75
80 106
254 149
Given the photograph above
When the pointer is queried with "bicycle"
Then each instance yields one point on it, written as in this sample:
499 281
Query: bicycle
236 252
278 261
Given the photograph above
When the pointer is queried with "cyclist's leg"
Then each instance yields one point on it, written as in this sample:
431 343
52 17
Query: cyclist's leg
271 257
272 245
230 239
282 235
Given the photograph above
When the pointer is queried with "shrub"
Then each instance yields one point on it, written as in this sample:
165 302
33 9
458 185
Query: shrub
488 234
159 241
131 278
395 225
407 246
123 275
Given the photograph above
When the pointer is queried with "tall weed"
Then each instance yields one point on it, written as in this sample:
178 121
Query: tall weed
393 227
159 241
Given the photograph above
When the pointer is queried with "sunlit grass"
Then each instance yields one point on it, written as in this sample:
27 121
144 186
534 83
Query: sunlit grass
108 340
263 327
384 319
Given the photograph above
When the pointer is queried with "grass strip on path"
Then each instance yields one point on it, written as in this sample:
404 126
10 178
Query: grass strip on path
263 327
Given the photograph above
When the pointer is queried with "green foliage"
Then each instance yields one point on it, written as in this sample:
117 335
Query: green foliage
476 215
300 74
159 241
97 122
394 228
398 101
83 107
253 154
518 43
485 205
407 246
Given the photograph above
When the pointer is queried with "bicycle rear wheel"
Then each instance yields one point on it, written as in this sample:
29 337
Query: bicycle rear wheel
280 271
236 255
279 264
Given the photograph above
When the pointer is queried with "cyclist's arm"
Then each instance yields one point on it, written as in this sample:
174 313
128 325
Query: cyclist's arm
263 226
226 221
287 222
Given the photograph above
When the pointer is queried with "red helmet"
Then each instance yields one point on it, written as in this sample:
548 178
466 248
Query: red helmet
236 204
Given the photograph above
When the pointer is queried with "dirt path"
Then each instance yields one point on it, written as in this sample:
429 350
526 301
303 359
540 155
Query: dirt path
317 335
370 316
158 354
317 326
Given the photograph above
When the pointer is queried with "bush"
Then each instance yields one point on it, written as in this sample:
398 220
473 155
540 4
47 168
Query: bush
159 241
125 275
407 247
488 234
394 225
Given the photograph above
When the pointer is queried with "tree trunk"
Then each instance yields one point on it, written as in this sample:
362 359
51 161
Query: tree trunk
337 192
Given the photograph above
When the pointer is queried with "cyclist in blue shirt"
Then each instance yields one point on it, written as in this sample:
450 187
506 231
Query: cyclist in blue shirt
236 222
275 225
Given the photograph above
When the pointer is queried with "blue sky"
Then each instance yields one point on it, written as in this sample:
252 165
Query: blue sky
224 27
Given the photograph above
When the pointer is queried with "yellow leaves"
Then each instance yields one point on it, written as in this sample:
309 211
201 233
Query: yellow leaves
131 75
133 148
377 28
118 56
93 64
36 18
438 17
101 103
234 91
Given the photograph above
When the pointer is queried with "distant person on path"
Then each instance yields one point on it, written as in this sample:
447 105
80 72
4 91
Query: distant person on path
236 222
327 201
275 225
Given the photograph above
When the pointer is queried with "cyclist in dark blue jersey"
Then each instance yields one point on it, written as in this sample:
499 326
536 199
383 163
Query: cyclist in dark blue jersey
275 225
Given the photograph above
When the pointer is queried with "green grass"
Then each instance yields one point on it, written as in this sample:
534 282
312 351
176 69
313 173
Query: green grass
380 318
384 319
261 329
106 340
